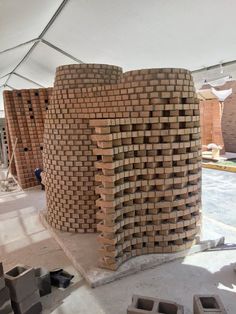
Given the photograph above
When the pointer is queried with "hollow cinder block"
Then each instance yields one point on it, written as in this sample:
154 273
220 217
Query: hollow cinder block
5 302
208 304
21 282
31 304
145 305
43 281
1 270
2 283
142 305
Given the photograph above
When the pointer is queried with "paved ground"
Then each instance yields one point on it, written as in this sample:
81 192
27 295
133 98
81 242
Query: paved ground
219 195
24 240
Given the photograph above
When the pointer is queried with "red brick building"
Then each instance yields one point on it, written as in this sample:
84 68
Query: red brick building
218 120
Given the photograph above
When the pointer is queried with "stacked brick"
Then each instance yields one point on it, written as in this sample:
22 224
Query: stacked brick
68 156
229 119
5 301
25 112
148 178
141 131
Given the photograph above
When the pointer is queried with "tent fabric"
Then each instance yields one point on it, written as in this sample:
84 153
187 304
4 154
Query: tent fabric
221 94
130 33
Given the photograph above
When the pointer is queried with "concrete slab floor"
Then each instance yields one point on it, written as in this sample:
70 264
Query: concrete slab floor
24 240
219 195
87 263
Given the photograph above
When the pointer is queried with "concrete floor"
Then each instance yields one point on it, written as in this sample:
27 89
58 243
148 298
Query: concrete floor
24 240
221 187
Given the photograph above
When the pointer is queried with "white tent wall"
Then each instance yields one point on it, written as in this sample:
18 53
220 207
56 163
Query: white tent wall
129 33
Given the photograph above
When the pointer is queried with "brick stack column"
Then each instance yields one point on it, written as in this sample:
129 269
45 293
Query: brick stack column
25 112
68 157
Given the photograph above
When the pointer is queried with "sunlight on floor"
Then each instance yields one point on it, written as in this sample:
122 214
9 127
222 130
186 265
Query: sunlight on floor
222 287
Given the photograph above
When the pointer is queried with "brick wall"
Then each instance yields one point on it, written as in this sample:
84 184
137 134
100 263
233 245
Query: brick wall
229 119
122 156
210 114
216 127
25 113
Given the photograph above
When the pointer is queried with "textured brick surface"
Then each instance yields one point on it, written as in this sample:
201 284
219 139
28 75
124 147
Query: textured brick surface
218 126
25 112
68 156
229 119
149 184
142 128
211 130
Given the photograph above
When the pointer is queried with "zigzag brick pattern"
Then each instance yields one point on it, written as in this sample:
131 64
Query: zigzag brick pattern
138 135
149 186
25 112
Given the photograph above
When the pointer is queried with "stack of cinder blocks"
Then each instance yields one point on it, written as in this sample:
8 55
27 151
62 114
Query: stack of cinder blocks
5 301
23 289
25 112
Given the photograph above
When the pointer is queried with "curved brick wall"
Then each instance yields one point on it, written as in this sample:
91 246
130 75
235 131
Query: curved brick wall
68 159
86 75
146 144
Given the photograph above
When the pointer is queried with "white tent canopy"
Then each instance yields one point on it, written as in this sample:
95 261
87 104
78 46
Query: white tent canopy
129 33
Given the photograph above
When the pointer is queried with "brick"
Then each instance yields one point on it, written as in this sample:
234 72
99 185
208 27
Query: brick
217 121
25 111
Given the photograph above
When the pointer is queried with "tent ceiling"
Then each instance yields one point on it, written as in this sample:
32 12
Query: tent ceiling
130 33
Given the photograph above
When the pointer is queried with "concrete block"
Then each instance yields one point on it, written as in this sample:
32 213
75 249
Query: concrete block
43 281
145 305
2 283
5 302
2 279
31 304
35 309
1 270
21 282
208 304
